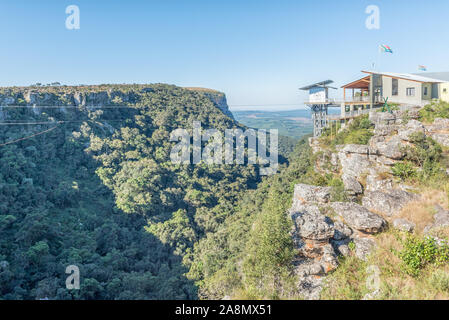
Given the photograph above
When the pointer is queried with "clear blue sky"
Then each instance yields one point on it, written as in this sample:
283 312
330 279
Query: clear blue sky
257 52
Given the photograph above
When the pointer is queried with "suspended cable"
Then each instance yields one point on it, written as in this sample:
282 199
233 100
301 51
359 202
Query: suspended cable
29 137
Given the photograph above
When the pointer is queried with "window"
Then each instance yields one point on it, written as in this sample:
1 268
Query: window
394 88
425 91
444 90
410 92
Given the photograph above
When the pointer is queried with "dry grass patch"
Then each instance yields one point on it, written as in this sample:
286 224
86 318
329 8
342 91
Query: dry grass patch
421 212
350 280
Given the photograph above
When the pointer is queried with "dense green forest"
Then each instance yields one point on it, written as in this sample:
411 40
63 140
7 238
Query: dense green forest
98 190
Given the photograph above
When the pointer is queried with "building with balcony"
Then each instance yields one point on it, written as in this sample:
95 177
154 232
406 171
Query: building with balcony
375 88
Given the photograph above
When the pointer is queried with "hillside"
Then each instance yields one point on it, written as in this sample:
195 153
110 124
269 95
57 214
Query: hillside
360 215
86 179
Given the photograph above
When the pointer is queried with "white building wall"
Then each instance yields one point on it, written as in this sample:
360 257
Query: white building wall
402 97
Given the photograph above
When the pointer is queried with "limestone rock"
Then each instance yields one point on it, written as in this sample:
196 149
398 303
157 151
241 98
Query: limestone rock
358 217
440 220
304 194
341 247
364 247
314 226
384 130
441 138
413 126
403 225
389 147
375 183
351 184
342 231
388 203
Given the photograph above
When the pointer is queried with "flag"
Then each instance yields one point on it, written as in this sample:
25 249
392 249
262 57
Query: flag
385 48
422 68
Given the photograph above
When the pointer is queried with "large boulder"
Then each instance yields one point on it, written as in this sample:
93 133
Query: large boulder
351 184
413 126
364 247
403 225
342 231
384 130
390 147
388 203
305 194
439 125
375 182
314 226
439 131
358 217
441 138
354 159
440 220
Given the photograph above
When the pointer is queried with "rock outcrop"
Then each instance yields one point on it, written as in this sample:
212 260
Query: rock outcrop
389 202
324 230
358 217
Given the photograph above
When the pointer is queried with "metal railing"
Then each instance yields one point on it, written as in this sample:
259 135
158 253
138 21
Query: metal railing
355 99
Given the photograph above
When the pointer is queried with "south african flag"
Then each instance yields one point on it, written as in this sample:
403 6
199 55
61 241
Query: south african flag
385 48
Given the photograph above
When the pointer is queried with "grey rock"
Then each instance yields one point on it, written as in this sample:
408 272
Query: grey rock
314 226
354 164
351 184
439 124
358 217
413 126
304 193
388 203
310 287
342 231
440 220
375 183
364 247
404 225
384 130
341 247
353 148
441 138
388 147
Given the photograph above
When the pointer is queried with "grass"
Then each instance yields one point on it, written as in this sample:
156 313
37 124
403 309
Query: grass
351 280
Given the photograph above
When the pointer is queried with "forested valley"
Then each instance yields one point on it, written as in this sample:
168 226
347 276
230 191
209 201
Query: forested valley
95 188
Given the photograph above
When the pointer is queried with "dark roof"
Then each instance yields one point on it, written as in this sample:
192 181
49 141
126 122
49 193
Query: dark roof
321 84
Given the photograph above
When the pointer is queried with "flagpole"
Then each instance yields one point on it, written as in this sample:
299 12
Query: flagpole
378 59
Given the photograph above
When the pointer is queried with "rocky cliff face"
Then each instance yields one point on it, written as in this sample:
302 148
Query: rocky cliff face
324 229
85 96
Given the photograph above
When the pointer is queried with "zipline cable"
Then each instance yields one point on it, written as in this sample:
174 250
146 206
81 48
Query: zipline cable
29 137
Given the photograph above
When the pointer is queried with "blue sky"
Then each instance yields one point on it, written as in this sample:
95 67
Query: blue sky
257 52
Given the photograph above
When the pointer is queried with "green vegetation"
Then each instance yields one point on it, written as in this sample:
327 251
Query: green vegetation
359 131
403 170
250 254
418 253
435 109
101 192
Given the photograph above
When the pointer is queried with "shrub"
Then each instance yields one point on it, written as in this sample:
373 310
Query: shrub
417 253
359 131
403 170
436 109
338 192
